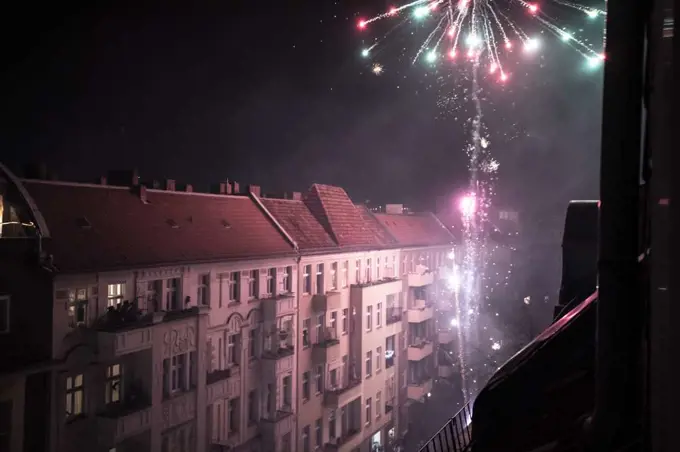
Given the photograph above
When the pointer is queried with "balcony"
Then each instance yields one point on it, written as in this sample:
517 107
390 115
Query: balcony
278 306
393 314
445 371
376 289
420 279
275 425
420 311
224 383
334 398
122 420
330 301
178 409
418 390
446 336
278 362
419 350
343 442
327 350
455 436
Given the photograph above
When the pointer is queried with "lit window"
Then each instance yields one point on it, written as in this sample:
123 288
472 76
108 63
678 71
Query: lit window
113 383
74 396
116 293
77 307
271 281
203 298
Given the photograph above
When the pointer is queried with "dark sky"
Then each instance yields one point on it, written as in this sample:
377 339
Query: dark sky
277 94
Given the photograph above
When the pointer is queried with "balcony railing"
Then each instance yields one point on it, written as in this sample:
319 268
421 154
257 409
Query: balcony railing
324 350
393 314
455 436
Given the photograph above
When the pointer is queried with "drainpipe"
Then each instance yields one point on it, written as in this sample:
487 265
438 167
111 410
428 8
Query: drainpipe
620 306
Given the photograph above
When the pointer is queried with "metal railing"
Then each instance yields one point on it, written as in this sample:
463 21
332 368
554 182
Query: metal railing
455 435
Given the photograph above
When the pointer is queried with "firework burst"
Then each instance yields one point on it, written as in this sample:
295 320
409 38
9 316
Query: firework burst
479 40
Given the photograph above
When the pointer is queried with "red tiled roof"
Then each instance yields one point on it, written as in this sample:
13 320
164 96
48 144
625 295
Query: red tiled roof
298 221
415 230
376 227
172 227
339 216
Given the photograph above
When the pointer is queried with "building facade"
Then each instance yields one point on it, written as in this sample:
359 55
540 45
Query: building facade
156 319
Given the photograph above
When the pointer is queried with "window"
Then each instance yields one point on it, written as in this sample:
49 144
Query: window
305 438
357 271
77 309
369 318
253 342
319 279
387 267
233 414
4 313
333 327
345 313
307 279
286 443
233 349
252 407
378 315
389 352
115 295
320 321
377 268
378 398
368 410
306 323
287 393
331 425
234 287
203 297
369 364
318 433
271 281
378 359
334 276
305 386
368 271
113 384
253 281
319 379
403 266
394 266
334 378
171 294
286 279
74 396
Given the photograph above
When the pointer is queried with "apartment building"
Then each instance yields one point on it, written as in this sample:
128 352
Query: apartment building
158 319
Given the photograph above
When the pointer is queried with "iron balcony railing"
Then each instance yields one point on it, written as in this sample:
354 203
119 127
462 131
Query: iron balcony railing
455 436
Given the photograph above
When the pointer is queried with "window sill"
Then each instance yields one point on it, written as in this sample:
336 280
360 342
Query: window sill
75 418
233 303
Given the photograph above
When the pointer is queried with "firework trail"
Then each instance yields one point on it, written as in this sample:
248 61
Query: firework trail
490 30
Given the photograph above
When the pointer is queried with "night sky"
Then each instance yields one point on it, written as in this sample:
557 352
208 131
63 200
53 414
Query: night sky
277 94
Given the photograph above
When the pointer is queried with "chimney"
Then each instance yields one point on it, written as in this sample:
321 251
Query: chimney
170 184
102 180
235 188
140 190
155 185
189 188
297 196
124 178
254 189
